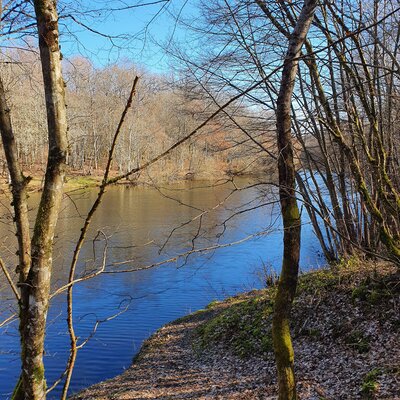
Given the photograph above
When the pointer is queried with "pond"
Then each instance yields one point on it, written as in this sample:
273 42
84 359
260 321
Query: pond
144 226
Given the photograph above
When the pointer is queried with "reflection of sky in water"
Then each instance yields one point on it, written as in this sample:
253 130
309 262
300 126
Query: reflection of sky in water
133 218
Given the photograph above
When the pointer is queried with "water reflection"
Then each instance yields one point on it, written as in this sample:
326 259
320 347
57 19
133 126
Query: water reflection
138 222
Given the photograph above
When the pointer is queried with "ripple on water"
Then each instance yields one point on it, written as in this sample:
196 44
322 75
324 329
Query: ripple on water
155 296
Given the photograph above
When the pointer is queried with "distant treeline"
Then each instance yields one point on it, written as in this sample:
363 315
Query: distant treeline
164 110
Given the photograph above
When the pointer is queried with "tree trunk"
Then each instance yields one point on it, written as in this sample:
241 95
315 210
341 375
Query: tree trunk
35 289
18 187
290 212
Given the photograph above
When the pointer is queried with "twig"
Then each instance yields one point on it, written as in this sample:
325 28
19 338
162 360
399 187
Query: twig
10 281
82 237
185 254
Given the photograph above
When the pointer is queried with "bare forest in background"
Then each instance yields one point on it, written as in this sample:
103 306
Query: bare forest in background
164 111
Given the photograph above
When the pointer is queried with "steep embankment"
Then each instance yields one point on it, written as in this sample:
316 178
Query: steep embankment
346 335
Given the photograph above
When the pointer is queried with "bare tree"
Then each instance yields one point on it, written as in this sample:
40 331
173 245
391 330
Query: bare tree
36 255
290 212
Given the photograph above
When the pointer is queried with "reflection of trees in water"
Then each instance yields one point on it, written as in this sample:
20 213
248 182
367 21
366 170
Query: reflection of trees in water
122 206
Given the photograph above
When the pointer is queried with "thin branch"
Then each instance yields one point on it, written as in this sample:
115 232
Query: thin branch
81 240
185 254
9 279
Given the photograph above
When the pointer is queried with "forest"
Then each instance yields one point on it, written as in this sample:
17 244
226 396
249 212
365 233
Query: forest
272 127
164 109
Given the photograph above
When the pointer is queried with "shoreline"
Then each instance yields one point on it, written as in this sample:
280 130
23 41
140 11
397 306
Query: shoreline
345 330
77 181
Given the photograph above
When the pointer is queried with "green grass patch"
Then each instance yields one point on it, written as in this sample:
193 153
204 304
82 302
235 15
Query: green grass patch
372 291
370 385
244 327
317 281
358 341
81 181
189 317
243 323
213 304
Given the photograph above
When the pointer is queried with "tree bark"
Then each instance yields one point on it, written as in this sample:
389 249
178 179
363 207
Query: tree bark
35 289
290 212
18 187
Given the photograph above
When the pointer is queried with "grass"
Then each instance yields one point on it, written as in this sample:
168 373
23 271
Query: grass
244 324
317 281
371 291
357 340
81 182
370 383
71 182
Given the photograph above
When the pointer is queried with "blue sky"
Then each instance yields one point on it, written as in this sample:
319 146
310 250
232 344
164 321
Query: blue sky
134 41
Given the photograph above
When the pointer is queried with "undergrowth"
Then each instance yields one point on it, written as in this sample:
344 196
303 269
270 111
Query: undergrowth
243 323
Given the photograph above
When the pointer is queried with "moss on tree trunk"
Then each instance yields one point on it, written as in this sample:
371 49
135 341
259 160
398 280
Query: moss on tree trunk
290 212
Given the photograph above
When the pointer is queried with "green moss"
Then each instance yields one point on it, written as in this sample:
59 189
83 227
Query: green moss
370 382
243 323
359 293
375 296
351 263
292 214
283 343
38 373
243 327
190 316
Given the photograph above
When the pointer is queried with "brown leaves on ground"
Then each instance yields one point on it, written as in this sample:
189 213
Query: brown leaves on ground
346 328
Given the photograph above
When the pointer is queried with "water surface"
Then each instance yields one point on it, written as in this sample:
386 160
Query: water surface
137 223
